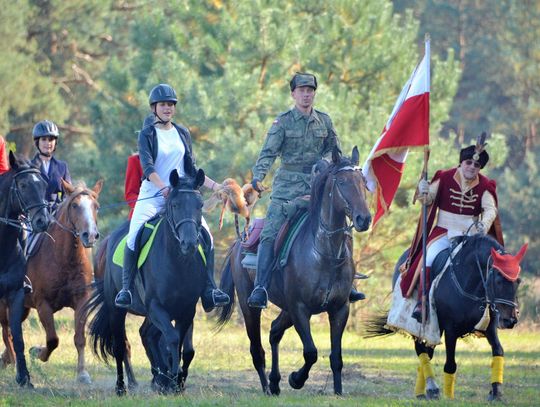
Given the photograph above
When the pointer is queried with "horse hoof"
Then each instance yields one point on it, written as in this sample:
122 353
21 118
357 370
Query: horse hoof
84 378
34 352
433 394
273 390
121 391
134 385
293 383
24 381
421 397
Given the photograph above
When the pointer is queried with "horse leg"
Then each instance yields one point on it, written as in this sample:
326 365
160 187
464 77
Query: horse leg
80 341
252 321
117 321
338 320
450 366
46 317
497 363
279 326
301 318
16 311
188 353
425 354
132 382
8 356
150 337
160 318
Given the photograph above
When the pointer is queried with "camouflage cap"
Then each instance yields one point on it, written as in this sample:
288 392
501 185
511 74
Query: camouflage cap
303 79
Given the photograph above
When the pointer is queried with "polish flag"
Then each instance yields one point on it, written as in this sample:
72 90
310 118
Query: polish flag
407 127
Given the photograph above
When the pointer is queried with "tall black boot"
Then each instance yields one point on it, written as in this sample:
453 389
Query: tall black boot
212 296
265 263
123 298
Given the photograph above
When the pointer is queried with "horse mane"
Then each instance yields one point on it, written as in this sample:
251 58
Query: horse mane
317 188
481 245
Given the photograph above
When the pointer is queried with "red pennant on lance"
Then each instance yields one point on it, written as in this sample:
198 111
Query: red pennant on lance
407 127
507 264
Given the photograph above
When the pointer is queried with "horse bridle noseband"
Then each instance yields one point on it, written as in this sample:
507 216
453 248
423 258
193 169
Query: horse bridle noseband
20 201
175 225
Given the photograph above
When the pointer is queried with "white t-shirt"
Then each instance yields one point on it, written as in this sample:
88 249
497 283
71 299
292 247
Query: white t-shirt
170 155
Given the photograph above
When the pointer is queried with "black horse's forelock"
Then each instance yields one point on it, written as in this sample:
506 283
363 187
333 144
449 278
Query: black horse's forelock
317 189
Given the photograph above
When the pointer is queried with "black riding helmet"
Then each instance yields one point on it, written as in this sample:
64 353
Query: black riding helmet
162 93
45 128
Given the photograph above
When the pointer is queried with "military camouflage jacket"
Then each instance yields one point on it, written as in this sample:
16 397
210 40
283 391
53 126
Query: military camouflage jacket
300 141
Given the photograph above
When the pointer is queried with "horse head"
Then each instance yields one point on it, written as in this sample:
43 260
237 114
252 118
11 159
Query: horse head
79 211
184 209
350 189
505 284
27 193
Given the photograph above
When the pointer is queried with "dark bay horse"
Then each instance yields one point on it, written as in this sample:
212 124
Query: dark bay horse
317 277
22 192
174 278
480 283
61 272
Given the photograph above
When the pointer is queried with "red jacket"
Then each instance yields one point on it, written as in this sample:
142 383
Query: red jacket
4 162
132 185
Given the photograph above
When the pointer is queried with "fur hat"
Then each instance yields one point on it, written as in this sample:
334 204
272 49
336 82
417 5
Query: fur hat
476 152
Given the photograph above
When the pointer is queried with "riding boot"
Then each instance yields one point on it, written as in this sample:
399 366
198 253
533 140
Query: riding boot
212 296
417 312
123 298
265 263
356 295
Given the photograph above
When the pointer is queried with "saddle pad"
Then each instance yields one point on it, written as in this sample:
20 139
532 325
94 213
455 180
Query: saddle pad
294 229
251 244
147 239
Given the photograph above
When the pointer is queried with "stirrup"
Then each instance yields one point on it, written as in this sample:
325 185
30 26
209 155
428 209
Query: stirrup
263 304
27 285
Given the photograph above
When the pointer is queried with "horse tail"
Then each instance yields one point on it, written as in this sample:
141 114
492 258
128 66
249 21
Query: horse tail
376 326
100 259
99 328
227 285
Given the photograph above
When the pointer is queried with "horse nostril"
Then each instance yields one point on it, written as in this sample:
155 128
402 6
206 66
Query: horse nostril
85 236
97 235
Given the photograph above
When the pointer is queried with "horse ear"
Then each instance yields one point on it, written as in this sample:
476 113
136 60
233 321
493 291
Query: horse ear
199 178
519 256
67 186
336 155
13 160
174 178
98 186
355 157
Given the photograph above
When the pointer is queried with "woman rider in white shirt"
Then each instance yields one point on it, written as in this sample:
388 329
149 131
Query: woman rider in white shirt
162 149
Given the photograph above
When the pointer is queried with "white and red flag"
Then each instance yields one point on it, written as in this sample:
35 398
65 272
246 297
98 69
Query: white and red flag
407 127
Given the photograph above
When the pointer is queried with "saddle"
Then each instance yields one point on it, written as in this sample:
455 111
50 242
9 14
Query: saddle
296 216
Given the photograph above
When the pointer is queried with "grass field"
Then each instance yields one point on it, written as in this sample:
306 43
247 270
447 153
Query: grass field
376 371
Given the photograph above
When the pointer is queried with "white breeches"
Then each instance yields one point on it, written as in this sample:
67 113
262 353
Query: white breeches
147 209
435 248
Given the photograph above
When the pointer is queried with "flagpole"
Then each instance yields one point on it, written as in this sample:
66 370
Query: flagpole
424 205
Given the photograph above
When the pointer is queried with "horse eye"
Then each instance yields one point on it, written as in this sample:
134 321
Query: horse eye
74 205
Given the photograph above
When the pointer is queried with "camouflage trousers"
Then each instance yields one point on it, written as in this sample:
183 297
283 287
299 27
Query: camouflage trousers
275 218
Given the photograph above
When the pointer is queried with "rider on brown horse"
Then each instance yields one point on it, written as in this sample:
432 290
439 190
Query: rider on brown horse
301 136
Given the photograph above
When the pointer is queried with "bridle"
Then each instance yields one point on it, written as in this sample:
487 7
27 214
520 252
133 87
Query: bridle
15 193
488 282
176 225
335 187
71 229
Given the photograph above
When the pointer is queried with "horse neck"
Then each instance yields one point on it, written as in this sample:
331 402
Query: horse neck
8 234
470 274
68 246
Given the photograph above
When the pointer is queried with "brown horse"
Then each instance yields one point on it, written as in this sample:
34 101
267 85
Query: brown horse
61 273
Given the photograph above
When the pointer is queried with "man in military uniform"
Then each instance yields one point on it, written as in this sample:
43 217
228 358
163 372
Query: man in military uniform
301 137
464 202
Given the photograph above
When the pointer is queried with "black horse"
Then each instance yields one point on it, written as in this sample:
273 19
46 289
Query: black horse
480 282
317 277
23 195
174 278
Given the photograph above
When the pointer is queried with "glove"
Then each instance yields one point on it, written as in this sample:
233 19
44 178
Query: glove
480 228
423 187
257 186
